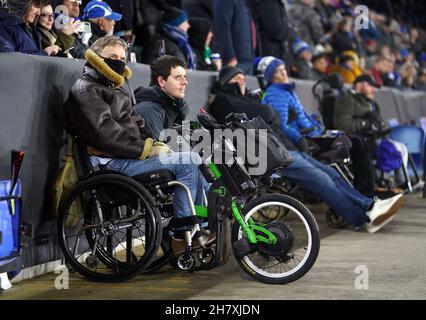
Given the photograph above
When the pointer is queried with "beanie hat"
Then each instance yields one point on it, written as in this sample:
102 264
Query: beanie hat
268 66
227 73
299 47
174 16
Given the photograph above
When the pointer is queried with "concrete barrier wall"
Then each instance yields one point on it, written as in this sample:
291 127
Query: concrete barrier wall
32 90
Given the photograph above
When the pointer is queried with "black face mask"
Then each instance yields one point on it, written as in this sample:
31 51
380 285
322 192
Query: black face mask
116 65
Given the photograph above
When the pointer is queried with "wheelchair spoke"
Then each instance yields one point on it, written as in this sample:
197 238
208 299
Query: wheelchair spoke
96 244
129 245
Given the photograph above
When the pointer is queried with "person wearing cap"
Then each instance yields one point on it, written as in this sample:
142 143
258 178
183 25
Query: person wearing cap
281 96
102 19
174 33
357 113
230 93
17 29
302 68
353 110
231 97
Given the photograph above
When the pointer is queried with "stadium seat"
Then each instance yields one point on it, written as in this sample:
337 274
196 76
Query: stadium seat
414 138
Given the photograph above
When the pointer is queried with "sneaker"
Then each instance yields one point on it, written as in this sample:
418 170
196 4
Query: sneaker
384 209
374 228
179 245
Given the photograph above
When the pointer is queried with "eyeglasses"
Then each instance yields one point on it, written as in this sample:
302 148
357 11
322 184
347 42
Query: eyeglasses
47 15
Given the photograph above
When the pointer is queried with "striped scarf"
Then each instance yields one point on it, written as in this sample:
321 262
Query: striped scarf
181 38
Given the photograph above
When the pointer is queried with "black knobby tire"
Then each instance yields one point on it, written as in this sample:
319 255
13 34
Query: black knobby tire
294 219
114 269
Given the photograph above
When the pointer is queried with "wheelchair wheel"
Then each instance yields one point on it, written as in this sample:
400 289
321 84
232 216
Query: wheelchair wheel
335 221
298 243
109 228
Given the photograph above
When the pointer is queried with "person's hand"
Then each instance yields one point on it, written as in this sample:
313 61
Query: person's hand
70 27
160 148
52 50
303 145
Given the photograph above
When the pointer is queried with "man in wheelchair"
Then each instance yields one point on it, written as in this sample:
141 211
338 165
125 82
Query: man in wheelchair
308 173
100 110
357 113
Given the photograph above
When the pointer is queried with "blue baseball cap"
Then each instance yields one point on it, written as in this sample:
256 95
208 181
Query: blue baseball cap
99 9
299 46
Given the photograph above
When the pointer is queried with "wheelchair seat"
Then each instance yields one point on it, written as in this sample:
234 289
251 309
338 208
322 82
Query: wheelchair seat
154 178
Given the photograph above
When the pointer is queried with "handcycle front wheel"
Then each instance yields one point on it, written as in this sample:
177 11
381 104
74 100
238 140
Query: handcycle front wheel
109 228
298 241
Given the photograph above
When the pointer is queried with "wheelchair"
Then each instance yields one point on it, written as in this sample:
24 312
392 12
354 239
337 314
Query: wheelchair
326 91
113 227
108 224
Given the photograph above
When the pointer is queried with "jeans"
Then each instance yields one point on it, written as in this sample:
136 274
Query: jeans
329 186
184 165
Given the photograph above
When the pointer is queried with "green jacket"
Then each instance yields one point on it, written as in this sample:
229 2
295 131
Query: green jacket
355 113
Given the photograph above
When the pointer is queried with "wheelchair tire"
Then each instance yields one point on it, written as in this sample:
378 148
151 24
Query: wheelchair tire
298 239
118 244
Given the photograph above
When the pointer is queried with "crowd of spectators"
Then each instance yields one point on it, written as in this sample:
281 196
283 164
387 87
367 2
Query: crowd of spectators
304 39
314 37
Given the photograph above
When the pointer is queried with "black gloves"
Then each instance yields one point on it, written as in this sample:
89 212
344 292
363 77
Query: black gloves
373 124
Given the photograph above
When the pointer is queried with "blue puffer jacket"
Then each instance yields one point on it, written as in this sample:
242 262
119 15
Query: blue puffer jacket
13 37
233 34
283 99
